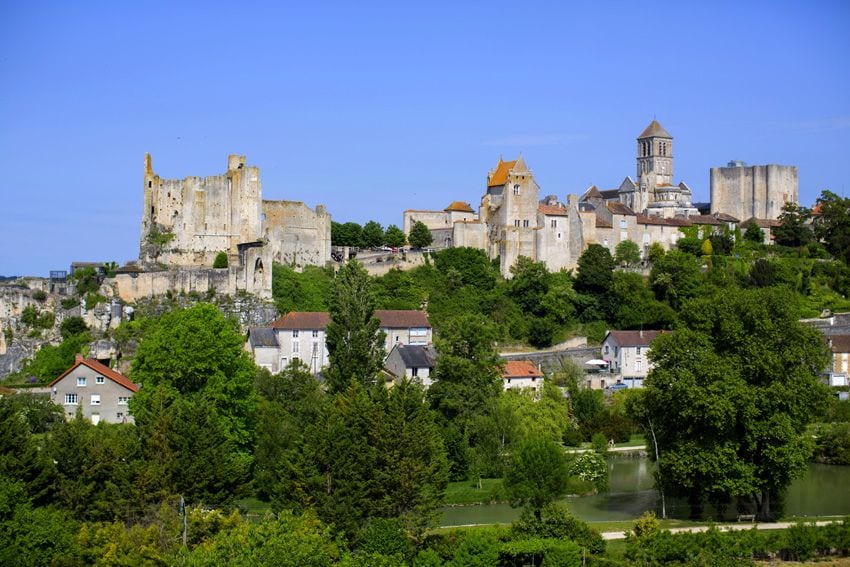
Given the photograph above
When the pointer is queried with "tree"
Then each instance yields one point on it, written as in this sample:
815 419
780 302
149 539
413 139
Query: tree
656 251
346 234
753 233
730 396
355 347
395 237
529 285
595 271
197 394
471 265
793 229
373 234
420 236
675 277
72 326
832 225
707 249
627 253
536 474
220 260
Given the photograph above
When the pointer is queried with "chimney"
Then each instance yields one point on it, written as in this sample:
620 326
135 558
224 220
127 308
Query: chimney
641 333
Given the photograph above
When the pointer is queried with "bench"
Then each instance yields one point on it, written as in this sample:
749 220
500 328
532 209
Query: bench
746 517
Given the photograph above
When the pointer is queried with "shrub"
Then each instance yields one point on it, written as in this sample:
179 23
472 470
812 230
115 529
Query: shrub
46 320
385 536
220 260
646 526
39 295
92 299
29 315
72 326
70 303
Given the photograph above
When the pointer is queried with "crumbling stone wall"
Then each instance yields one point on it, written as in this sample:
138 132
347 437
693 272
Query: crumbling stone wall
298 236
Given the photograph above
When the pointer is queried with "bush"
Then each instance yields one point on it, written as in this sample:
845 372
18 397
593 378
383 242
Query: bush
39 295
220 260
646 526
92 299
72 326
70 303
29 315
45 320
557 522
385 536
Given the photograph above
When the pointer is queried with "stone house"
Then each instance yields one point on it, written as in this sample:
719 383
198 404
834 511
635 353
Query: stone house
626 354
520 374
441 223
415 362
102 393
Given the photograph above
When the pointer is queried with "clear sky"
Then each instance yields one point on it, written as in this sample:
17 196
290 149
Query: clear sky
373 108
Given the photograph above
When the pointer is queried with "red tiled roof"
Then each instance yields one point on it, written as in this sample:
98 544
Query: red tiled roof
521 369
297 320
656 220
632 338
552 210
119 379
839 343
593 192
762 223
500 176
402 319
602 223
459 206
704 219
725 217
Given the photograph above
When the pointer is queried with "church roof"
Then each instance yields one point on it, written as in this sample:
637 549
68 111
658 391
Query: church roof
459 206
592 192
609 194
655 130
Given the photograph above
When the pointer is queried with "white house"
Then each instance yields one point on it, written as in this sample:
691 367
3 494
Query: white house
626 355
407 327
839 368
520 374
416 362
101 393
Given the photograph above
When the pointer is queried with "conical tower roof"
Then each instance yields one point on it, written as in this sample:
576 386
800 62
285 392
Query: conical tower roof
654 130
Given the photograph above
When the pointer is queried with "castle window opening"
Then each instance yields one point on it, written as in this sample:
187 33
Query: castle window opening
525 223
554 223
150 184
516 189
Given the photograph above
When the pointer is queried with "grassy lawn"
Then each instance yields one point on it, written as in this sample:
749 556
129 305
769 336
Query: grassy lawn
467 492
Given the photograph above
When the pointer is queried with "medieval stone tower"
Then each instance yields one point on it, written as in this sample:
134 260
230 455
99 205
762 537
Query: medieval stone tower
654 163
509 211
187 222
757 191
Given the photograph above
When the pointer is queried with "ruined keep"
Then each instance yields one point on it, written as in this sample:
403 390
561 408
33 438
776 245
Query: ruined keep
757 191
187 222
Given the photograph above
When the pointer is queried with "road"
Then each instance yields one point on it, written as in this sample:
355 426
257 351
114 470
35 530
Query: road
724 527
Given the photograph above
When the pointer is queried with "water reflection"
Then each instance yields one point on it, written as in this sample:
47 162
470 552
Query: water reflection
824 491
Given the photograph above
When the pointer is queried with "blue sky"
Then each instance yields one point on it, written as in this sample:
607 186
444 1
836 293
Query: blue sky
372 108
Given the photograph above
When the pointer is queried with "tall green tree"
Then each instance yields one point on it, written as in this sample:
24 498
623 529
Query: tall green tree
355 347
595 274
730 397
529 285
675 278
536 474
373 234
794 229
420 236
193 358
627 253
832 225
395 237
346 234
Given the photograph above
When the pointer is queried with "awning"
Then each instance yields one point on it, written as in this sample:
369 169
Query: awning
597 362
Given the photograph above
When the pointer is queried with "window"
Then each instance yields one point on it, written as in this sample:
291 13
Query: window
296 347
119 415
418 331
315 334
122 400
606 349
95 399
414 372
638 365
70 399
516 223
283 362
638 350
98 380
397 339
315 349
81 380
525 223
554 223
516 189
294 334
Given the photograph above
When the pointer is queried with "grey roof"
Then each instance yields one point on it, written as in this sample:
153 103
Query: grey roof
262 337
417 356
654 130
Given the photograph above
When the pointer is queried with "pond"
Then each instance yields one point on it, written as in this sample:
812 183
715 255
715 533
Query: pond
824 491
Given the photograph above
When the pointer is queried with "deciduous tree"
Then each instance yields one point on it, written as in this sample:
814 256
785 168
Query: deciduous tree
420 236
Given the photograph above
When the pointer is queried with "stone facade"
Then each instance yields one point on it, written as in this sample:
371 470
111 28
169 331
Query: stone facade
187 222
441 223
757 191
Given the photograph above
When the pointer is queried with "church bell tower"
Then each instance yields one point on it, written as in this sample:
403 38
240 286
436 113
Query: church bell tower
654 159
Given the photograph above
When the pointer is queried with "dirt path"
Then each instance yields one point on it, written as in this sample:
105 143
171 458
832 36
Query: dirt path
724 527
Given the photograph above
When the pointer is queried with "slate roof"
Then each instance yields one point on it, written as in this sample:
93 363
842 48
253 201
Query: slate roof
654 129
632 338
521 369
619 208
459 206
551 210
416 356
262 337
609 194
725 217
297 320
839 343
705 219
105 371
402 319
